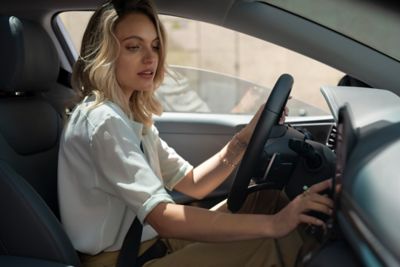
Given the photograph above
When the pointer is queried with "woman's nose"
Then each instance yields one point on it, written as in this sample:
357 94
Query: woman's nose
149 56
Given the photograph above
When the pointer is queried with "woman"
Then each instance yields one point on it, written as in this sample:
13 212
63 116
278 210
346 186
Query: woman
113 166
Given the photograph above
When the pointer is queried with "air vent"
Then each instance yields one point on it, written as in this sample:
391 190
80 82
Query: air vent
331 141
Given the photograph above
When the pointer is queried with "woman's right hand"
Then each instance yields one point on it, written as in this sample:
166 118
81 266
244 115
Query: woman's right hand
296 211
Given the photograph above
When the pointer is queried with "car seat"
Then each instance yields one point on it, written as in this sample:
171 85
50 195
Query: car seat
30 129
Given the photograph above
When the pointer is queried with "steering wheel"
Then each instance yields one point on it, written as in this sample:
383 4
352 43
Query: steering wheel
269 117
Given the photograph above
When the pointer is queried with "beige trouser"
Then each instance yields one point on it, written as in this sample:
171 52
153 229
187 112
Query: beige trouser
259 252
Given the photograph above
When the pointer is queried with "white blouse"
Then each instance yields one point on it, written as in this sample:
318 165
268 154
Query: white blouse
105 180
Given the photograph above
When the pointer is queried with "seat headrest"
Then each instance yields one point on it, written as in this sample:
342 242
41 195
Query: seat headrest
28 59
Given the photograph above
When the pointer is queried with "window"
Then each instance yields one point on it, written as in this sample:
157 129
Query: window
216 70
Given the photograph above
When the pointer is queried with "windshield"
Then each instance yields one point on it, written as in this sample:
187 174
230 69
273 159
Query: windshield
367 21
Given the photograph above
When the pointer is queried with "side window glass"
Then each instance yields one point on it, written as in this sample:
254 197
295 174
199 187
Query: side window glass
216 70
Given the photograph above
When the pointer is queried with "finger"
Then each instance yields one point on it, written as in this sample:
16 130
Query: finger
310 220
324 200
282 120
321 186
314 206
285 111
338 188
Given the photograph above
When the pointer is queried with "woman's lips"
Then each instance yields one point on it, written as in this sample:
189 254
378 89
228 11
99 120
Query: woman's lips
147 74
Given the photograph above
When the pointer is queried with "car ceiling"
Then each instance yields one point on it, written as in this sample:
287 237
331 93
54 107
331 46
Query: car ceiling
177 7
258 19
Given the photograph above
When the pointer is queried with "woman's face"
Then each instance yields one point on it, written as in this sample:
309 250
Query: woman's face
137 61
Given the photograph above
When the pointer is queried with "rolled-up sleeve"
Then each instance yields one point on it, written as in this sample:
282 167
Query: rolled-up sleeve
122 169
173 166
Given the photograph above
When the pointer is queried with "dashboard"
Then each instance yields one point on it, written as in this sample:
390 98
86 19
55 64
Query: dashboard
367 146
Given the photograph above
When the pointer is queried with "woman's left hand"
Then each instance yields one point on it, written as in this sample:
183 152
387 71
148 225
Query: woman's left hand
284 115
245 134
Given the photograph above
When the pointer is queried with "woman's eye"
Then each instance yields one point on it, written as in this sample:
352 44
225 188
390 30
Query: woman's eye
156 45
133 48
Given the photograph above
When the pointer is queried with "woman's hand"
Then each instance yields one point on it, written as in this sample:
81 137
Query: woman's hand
246 132
284 114
295 212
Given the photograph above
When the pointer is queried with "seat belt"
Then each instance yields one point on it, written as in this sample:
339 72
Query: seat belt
129 253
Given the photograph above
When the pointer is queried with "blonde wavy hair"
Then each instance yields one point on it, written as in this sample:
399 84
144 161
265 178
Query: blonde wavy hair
94 71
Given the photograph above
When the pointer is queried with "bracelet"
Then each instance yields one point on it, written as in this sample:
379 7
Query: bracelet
226 162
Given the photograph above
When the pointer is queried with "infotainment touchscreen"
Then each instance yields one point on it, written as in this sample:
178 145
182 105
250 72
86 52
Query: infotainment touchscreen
345 141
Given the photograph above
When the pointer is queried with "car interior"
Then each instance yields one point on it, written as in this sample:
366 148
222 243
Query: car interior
35 95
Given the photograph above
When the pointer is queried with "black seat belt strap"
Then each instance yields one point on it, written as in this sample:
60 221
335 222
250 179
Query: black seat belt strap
129 252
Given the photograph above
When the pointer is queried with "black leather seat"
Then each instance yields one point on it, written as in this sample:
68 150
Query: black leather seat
30 128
